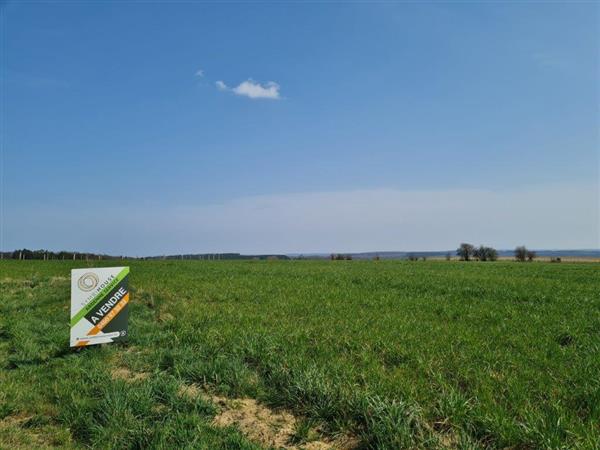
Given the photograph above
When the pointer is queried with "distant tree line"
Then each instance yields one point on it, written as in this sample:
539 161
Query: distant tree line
468 252
27 254
48 255
465 252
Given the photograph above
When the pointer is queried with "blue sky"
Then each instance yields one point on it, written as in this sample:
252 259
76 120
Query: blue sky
148 128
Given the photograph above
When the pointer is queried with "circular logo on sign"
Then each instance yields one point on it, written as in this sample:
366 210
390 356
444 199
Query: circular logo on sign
88 281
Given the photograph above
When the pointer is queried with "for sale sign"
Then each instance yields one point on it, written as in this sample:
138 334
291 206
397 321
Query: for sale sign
99 305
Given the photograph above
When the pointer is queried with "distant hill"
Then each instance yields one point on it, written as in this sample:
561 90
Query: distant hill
219 256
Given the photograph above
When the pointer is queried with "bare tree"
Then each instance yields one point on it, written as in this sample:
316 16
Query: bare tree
531 255
484 253
465 251
521 253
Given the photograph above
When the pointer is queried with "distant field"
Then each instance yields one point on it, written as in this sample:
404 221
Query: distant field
364 354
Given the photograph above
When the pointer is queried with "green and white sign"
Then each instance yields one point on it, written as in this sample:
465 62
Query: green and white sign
99 305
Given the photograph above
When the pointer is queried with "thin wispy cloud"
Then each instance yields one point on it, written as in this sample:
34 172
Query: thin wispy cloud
199 73
35 81
546 59
253 89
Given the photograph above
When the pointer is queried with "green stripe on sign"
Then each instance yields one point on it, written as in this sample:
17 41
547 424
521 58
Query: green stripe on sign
109 287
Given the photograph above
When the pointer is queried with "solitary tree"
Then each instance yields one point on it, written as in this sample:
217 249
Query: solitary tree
531 255
521 253
465 251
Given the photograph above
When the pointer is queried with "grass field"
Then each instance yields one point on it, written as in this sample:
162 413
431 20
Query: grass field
393 354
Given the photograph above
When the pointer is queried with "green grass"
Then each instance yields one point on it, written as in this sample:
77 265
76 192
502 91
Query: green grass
401 355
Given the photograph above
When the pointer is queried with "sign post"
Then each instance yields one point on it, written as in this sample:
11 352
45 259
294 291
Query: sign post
99 305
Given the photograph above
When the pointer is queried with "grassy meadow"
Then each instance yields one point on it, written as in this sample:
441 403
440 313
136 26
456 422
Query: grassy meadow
427 354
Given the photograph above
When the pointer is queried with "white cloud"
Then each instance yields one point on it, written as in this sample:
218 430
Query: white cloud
557 216
253 90
200 73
